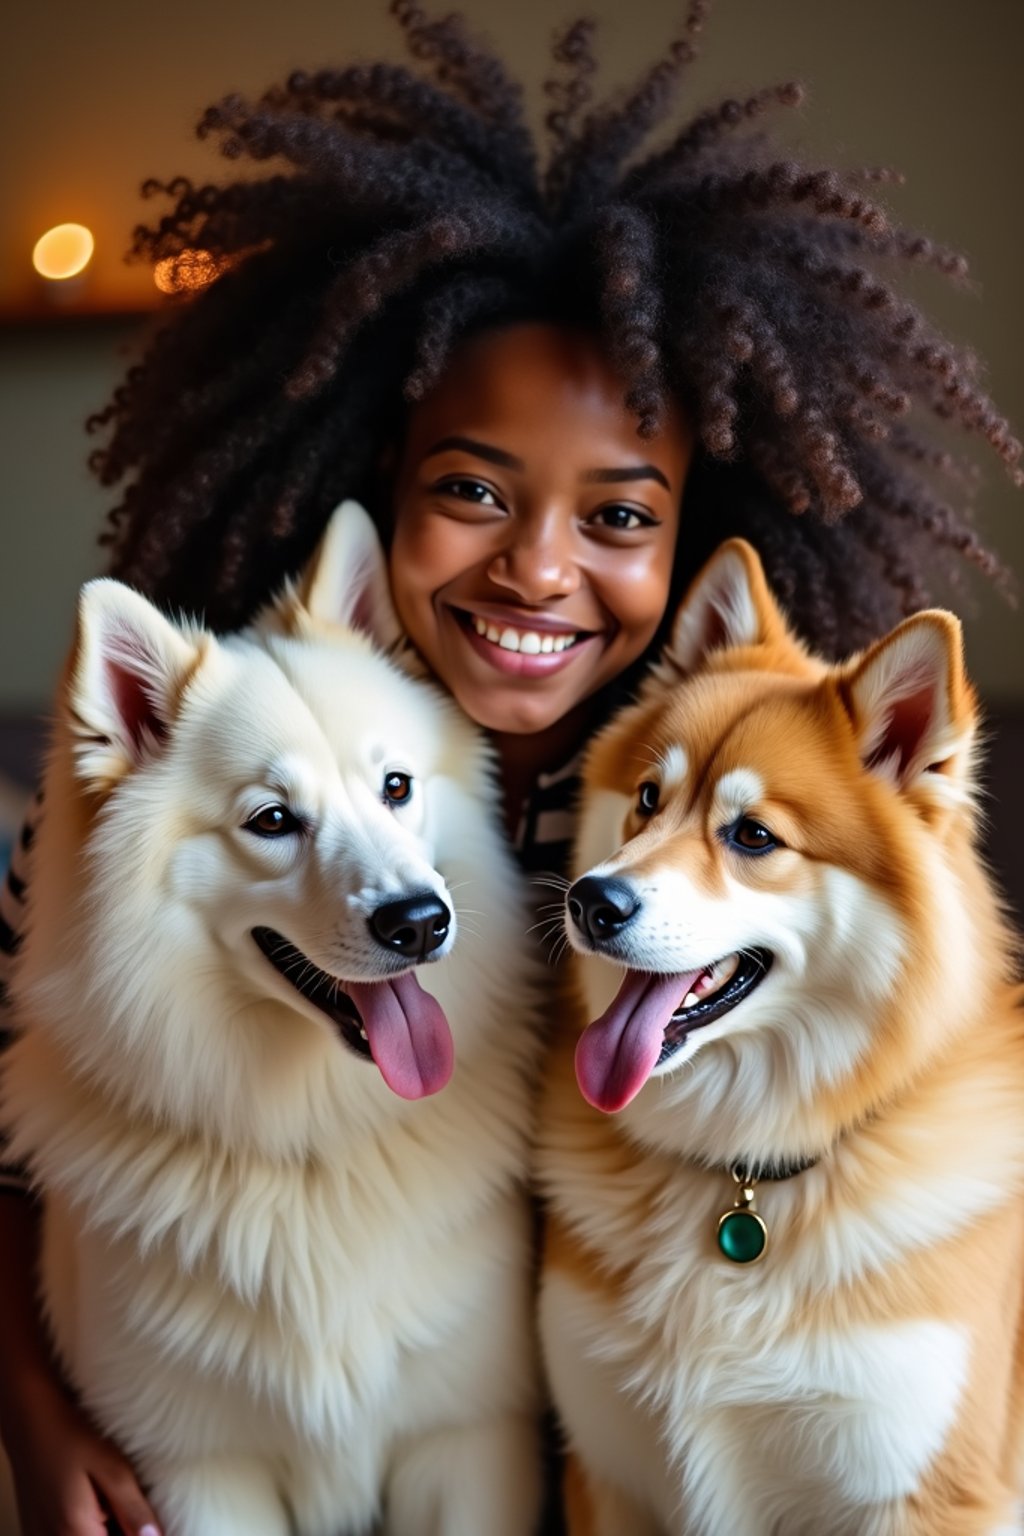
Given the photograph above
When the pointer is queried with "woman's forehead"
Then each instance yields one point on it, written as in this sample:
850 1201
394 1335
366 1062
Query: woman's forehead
525 383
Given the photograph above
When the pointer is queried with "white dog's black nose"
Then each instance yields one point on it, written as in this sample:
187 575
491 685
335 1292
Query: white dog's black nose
414 926
601 908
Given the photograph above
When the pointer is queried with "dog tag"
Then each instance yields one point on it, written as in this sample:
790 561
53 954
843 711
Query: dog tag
742 1235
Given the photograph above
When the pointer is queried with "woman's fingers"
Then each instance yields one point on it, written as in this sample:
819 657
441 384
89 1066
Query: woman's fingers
78 1510
70 1480
116 1483
69 1506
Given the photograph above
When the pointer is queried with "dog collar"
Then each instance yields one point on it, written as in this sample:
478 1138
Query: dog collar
742 1233
754 1171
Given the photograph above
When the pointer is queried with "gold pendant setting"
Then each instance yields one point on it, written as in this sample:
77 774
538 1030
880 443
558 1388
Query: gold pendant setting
742 1235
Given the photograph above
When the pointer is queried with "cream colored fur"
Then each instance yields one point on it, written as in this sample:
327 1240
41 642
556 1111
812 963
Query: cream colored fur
297 1301
866 1377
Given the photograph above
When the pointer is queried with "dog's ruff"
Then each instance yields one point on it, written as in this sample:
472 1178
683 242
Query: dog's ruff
299 1302
865 1378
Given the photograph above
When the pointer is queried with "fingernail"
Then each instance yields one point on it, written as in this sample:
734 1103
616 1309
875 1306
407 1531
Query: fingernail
149 1530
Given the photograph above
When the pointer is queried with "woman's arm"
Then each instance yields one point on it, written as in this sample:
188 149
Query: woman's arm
66 1476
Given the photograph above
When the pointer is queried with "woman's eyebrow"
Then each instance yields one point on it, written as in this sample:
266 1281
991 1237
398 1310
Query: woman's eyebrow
628 472
510 461
481 450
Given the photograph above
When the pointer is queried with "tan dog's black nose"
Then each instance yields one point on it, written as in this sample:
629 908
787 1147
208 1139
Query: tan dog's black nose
601 908
414 926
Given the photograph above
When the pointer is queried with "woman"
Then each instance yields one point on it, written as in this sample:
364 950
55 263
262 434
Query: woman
518 371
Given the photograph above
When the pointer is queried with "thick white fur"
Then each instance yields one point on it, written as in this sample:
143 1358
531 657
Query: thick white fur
297 1301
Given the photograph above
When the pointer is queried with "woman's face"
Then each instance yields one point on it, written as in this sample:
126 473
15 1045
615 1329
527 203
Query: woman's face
534 530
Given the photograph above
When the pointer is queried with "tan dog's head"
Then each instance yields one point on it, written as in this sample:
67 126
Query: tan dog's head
776 853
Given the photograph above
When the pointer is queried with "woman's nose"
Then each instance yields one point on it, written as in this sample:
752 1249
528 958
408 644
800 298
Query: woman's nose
536 564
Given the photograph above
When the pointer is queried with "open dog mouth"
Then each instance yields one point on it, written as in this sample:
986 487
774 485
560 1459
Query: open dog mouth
317 987
716 991
393 1022
651 1018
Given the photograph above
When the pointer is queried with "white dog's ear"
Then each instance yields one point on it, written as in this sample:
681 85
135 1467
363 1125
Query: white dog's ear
346 582
128 668
911 704
728 605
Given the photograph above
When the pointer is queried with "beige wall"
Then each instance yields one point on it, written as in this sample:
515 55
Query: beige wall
97 96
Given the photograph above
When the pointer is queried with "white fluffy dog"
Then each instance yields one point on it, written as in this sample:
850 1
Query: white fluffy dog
292 1281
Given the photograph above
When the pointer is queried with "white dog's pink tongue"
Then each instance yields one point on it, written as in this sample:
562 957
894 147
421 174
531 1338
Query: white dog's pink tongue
617 1053
408 1034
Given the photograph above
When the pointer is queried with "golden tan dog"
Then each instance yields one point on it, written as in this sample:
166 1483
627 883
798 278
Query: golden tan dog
784 1163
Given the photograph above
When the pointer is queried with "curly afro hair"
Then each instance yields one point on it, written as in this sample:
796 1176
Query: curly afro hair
405 208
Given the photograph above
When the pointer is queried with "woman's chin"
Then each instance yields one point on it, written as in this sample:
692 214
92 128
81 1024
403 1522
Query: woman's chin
509 713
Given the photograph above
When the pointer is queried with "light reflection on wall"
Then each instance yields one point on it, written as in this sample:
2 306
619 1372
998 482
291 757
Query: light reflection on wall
63 252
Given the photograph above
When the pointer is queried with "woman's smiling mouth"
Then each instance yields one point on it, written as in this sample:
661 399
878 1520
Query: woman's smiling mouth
518 649
528 641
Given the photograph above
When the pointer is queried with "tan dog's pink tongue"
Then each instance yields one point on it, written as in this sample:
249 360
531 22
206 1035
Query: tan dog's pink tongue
408 1034
617 1053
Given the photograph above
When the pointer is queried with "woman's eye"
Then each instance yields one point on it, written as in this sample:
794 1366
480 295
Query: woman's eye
647 797
623 519
751 837
467 489
273 821
397 788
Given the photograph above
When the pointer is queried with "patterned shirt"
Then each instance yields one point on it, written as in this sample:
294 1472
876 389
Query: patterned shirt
12 922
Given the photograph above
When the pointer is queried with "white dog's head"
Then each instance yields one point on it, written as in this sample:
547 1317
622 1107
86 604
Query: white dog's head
249 830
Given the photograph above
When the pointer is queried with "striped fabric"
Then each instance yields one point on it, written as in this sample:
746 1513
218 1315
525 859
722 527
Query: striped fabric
543 839
12 927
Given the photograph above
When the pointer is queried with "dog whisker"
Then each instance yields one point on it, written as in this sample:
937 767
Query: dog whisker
558 953
553 882
547 927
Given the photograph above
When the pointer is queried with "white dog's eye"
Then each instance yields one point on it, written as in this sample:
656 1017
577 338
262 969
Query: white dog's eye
273 821
647 797
397 788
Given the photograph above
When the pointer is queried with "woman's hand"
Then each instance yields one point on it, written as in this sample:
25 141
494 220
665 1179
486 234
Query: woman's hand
68 1478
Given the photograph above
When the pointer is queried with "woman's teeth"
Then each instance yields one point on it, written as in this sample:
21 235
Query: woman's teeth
528 641
713 980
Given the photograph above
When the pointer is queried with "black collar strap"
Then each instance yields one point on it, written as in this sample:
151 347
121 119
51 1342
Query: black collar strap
758 1171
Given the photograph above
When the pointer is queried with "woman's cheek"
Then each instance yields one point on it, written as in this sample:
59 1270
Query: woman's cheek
636 592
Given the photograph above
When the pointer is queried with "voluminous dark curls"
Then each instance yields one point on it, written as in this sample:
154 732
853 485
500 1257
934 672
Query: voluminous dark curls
403 209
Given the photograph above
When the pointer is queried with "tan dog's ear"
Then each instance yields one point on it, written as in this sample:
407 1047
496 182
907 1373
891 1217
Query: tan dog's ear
728 606
129 666
912 706
346 582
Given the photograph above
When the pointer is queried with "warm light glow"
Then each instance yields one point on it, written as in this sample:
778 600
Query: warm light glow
187 272
63 251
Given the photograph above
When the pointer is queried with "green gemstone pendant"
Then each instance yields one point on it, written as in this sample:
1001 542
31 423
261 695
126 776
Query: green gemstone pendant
742 1235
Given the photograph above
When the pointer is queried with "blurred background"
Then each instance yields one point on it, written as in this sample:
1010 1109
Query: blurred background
96 97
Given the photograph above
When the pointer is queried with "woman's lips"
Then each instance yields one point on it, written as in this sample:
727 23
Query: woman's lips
520 663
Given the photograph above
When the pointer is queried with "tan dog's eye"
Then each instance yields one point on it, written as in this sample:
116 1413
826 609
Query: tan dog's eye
273 821
749 836
397 788
647 798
